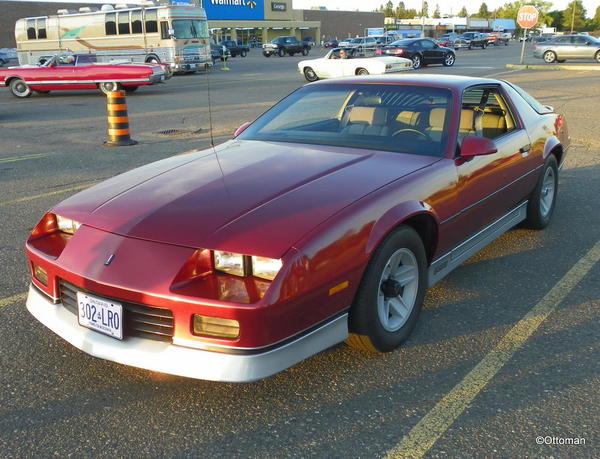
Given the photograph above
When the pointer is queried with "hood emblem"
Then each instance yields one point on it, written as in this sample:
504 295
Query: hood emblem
109 259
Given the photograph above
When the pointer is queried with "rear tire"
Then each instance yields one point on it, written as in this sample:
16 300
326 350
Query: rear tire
42 93
130 89
543 199
597 56
362 71
109 87
20 89
390 295
550 57
416 60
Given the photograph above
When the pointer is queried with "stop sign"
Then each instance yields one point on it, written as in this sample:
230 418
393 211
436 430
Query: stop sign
527 16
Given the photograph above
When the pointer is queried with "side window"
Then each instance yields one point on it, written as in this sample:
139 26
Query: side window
563 40
110 25
123 18
136 21
31 35
41 28
164 30
426 44
151 21
485 113
580 40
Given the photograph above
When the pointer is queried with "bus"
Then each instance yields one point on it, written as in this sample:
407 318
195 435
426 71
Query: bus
175 35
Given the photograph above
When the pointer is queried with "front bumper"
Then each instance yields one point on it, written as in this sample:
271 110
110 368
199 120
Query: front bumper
185 361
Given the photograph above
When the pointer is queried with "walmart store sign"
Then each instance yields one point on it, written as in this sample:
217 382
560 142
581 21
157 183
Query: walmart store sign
234 9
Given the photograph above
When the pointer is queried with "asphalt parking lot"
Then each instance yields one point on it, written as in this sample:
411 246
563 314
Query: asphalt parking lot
505 353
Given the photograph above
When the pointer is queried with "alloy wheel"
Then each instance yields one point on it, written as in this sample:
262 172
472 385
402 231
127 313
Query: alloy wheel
548 192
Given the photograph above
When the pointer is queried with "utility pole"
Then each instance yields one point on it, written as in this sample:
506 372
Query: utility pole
422 19
573 15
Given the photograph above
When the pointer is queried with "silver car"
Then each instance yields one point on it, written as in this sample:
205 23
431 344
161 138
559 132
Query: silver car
566 47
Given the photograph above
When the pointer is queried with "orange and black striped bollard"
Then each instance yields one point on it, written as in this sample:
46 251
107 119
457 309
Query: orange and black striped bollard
118 121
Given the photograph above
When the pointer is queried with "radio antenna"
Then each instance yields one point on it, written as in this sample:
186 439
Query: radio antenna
210 122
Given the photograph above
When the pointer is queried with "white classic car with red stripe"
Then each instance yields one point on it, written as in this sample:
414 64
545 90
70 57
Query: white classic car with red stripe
80 71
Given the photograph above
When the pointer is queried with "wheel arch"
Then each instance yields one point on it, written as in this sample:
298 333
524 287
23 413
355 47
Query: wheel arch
554 147
151 56
418 215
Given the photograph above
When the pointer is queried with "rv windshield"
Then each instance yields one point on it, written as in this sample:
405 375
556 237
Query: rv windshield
190 28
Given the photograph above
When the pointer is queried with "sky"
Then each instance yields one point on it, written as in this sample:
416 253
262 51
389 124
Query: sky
446 6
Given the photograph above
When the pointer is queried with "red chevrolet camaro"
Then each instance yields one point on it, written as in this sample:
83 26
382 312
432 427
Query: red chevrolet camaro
80 71
324 220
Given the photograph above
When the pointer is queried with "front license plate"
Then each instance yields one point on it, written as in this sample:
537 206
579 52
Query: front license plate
100 315
162 78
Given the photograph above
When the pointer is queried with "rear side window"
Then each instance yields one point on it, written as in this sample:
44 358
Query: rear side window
123 18
136 22
41 28
485 113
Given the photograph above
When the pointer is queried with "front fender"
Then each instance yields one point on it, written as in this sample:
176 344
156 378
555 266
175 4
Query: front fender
396 216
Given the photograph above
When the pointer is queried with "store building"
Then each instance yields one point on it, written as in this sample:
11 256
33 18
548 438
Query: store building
258 21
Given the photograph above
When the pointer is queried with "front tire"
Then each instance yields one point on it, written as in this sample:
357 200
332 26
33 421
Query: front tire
108 87
449 60
243 54
597 56
304 52
310 74
130 89
543 199
550 57
20 89
390 296
281 52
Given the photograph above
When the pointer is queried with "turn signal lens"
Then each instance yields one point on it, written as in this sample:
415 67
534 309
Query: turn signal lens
40 274
265 268
216 326
66 225
229 262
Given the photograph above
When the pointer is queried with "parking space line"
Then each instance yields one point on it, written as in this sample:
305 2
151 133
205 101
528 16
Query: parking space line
43 195
23 158
435 423
12 299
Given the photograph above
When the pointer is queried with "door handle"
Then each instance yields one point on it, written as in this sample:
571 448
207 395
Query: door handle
525 149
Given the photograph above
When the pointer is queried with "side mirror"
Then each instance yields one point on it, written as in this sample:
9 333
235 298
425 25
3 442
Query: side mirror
477 146
241 129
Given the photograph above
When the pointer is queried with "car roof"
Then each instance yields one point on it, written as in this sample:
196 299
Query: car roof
457 82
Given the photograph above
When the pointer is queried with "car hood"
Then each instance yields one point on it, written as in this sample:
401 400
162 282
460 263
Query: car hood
250 197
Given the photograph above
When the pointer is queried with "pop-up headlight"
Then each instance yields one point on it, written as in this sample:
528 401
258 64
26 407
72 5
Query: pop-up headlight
244 265
230 263
66 225
265 268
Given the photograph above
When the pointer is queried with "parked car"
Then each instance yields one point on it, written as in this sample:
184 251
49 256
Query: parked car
361 44
471 40
333 65
7 56
80 71
285 45
421 51
218 52
568 47
497 39
324 220
331 44
234 48
385 39
447 40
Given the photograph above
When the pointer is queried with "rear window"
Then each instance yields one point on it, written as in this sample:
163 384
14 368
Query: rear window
533 103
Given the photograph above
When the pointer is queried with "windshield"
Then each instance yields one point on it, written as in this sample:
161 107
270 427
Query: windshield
190 28
397 118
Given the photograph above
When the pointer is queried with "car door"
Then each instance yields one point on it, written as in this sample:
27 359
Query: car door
565 48
583 47
432 52
492 185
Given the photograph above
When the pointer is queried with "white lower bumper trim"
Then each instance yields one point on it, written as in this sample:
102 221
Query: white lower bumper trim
184 361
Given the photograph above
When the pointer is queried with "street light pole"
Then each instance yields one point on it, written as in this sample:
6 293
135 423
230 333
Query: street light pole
573 15
422 18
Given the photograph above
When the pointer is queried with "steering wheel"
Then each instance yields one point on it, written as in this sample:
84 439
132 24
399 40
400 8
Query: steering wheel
412 131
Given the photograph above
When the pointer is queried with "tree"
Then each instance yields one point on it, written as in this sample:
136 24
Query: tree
436 13
595 23
463 13
556 19
574 16
483 11
401 11
510 10
424 10
388 10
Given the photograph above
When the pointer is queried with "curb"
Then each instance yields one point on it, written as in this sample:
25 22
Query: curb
553 67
